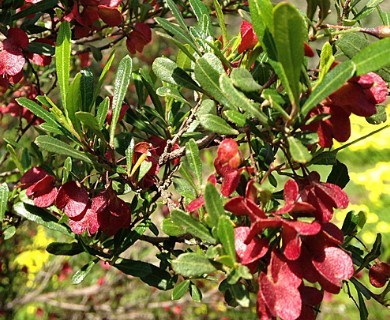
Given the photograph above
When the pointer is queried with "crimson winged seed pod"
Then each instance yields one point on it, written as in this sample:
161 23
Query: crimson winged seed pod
379 274
72 199
248 37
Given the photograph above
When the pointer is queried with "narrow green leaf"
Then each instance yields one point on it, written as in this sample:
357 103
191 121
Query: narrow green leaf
80 275
239 100
193 157
177 32
213 204
199 9
148 273
171 92
216 124
89 121
121 84
298 151
192 265
221 21
262 17
207 72
332 81
40 6
4 192
180 290
176 13
225 233
192 226
63 48
326 60
373 57
74 101
59 147
64 248
195 293
102 112
39 111
243 80
40 216
103 74
86 89
289 36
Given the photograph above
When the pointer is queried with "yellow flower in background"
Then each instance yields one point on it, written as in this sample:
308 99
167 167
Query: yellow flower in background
35 257
375 180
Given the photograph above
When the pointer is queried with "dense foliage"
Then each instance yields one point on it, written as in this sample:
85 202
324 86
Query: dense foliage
114 161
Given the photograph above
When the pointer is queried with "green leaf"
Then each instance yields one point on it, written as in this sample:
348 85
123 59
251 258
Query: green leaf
102 112
57 146
171 228
39 111
289 36
207 72
4 192
367 9
299 152
325 158
379 117
240 294
352 43
178 33
9 232
199 9
40 6
41 217
243 80
63 48
332 81
148 273
80 275
180 290
239 100
213 204
192 226
262 17
193 157
74 100
171 92
216 124
192 265
121 84
221 21
339 174
195 293
64 249
225 233
326 60
236 117
86 89
373 57
176 13
103 74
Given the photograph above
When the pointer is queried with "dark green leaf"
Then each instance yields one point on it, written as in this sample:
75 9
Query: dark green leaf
339 174
86 89
236 117
379 117
325 158
40 216
80 275
148 273
64 249
192 265
40 6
